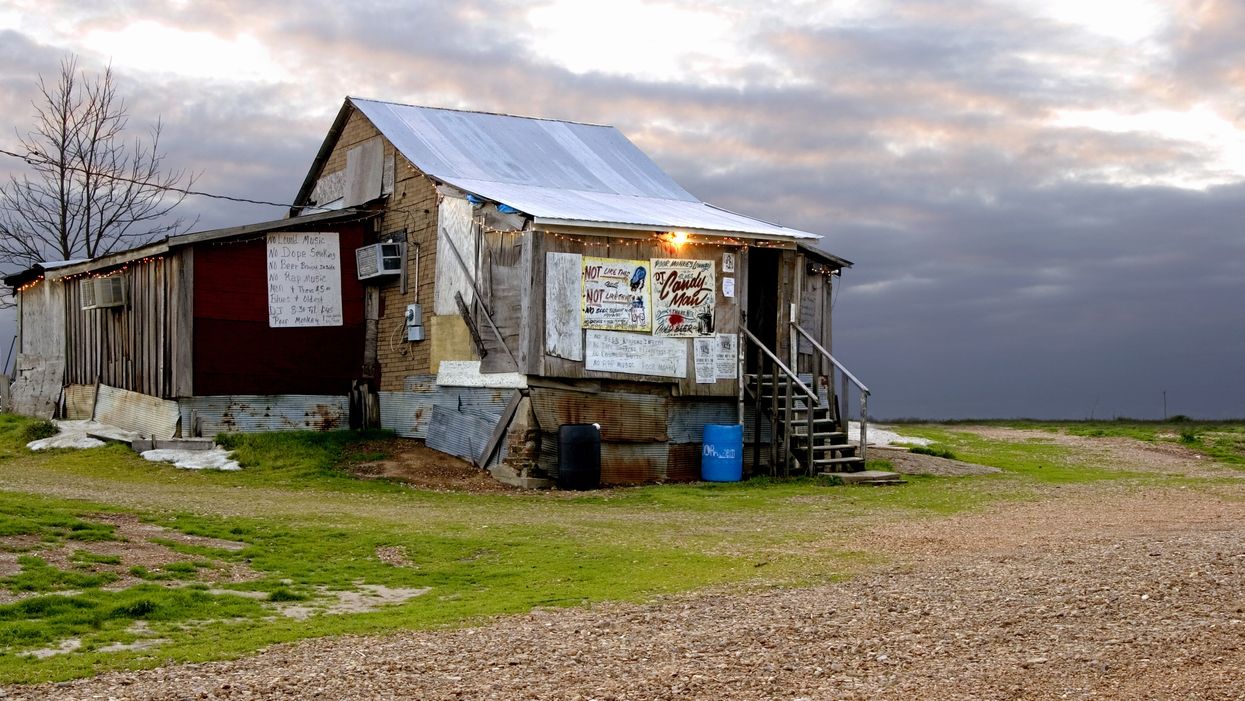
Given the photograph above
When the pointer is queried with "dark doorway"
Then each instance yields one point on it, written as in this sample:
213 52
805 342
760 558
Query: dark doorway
763 297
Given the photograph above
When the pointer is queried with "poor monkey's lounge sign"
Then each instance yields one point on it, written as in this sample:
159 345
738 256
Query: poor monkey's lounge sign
683 297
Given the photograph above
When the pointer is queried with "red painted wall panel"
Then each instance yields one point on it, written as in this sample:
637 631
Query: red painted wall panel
236 352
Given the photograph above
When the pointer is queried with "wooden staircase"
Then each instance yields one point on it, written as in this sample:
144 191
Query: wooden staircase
808 435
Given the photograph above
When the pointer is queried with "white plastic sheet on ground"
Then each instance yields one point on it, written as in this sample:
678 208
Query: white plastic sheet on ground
74 435
215 459
882 437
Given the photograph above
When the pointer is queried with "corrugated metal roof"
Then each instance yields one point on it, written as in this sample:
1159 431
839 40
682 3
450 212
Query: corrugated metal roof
556 171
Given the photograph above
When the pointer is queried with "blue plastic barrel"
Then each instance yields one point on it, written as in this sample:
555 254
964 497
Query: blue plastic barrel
722 453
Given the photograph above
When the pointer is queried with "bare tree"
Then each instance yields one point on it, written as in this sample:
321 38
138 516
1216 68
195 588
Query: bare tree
88 190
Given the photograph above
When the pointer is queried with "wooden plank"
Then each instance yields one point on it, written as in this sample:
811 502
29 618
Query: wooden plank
499 433
502 283
471 324
183 325
534 296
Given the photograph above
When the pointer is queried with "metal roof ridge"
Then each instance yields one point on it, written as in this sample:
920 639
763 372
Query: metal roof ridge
485 112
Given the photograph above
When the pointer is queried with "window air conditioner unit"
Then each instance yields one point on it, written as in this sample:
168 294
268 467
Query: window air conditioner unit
104 292
378 260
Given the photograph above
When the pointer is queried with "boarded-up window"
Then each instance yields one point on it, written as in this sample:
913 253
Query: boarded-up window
364 172
454 234
564 336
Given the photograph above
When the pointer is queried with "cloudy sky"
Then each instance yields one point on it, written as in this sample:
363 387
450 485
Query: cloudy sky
1045 200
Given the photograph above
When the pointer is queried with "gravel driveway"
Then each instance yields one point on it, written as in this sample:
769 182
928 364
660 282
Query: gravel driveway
1093 592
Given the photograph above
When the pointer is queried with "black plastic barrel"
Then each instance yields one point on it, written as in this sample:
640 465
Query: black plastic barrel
579 456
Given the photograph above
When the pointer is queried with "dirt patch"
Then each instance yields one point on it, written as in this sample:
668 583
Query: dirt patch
131 528
394 555
133 548
409 461
908 463
1115 453
367 597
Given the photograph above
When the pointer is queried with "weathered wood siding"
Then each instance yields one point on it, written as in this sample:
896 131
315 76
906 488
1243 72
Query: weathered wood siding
41 320
129 347
726 311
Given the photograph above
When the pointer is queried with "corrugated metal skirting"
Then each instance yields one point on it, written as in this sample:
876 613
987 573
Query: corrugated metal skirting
242 413
634 463
79 402
623 416
688 418
459 434
409 412
142 413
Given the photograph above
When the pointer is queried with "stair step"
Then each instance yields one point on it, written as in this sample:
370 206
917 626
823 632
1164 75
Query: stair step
828 435
868 477
837 461
845 451
816 420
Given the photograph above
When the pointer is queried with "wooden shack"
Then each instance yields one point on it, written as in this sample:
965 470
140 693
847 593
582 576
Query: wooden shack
476 280
551 273
190 335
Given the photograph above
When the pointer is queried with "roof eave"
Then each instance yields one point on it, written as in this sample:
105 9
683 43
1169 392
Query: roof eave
110 260
586 224
326 217
827 257
322 156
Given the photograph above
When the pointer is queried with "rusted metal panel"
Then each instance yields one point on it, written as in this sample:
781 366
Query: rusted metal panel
79 402
683 465
239 413
405 413
634 463
687 418
150 416
622 416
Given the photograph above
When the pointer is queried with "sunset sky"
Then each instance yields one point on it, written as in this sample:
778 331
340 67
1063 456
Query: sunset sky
1045 201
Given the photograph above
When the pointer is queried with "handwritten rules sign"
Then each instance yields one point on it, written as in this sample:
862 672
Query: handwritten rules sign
636 354
304 280
683 297
616 294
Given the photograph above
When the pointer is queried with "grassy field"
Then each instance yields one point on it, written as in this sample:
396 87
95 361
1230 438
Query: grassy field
113 562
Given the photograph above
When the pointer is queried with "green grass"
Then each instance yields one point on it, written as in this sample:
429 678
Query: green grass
933 449
309 529
1222 440
38 576
36 430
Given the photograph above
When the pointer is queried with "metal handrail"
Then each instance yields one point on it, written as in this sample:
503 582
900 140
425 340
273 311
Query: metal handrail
786 370
864 391
847 373
811 403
